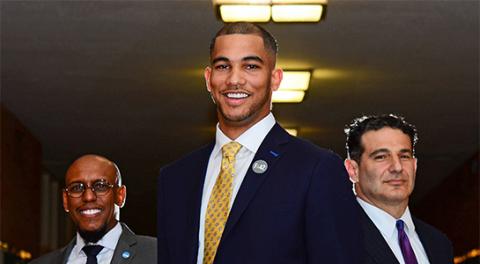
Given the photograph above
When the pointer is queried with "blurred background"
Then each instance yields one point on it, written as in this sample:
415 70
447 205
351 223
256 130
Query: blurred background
124 79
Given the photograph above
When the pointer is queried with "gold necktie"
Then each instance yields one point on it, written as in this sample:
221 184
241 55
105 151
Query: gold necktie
219 204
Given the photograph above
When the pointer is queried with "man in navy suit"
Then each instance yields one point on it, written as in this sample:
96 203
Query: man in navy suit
275 198
382 165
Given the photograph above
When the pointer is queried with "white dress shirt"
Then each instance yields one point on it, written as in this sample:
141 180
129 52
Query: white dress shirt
108 241
386 224
250 141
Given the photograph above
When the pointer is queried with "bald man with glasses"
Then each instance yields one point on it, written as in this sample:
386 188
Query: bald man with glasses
93 197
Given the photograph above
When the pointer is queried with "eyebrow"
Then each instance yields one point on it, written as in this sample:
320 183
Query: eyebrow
255 58
384 150
225 59
248 58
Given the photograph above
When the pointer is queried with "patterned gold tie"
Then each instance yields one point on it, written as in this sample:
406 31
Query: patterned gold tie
219 204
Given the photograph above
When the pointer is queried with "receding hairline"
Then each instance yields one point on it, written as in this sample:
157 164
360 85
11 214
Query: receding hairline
95 158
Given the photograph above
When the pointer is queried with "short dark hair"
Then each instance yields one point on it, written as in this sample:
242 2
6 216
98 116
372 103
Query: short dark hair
361 125
248 28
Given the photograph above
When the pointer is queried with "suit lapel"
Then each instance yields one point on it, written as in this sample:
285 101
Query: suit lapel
270 151
376 247
68 249
125 250
197 180
427 240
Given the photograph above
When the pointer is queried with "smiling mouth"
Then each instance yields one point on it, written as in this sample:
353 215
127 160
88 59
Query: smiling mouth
90 212
236 95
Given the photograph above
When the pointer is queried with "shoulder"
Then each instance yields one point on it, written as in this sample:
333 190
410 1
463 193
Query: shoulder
426 230
300 153
189 159
52 257
147 241
279 137
308 147
437 245
311 153
146 246
128 234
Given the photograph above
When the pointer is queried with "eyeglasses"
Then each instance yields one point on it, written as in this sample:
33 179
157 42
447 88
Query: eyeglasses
76 189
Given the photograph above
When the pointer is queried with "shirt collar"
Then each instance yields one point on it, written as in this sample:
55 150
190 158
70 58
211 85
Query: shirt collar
250 139
407 218
384 221
109 240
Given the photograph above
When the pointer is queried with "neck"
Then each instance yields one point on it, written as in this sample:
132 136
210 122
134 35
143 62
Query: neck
232 132
233 129
396 209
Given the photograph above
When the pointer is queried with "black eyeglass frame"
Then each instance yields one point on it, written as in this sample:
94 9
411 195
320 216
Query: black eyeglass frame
85 187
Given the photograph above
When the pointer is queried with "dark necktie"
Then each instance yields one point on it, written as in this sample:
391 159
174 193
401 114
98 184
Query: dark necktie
92 252
407 251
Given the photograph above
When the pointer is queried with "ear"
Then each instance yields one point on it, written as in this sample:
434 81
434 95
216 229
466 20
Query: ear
65 201
121 196
277 76
352 169
207 74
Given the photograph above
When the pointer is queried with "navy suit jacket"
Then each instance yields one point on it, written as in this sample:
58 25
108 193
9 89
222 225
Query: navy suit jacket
436 244
301 210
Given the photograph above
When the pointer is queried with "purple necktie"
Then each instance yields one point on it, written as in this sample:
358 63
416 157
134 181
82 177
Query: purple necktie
407 251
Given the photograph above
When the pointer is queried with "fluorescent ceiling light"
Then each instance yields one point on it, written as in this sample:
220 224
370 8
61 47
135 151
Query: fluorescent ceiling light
264 10
295 80
293 86
297 13
245 2
249 13
296 2
288 96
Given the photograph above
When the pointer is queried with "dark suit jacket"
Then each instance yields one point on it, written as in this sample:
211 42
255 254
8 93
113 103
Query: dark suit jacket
142 250
301 210
436 244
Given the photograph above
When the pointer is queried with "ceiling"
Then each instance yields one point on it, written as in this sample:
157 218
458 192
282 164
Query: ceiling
124 79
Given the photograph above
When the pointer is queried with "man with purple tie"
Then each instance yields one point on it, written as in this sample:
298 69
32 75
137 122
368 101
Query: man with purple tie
382 165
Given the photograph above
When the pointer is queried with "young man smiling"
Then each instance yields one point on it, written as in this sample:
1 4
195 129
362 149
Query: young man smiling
256 194
92 197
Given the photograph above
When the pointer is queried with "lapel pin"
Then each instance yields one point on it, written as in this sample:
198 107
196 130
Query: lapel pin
275 154
125 254
259 166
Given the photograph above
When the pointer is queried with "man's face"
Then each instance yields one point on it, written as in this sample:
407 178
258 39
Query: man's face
92 213
386 173
241 79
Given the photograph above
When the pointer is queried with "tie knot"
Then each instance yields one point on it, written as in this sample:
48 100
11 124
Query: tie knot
229 150
400 225
92 250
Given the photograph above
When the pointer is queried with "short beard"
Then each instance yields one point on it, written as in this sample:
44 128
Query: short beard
254 109
93 236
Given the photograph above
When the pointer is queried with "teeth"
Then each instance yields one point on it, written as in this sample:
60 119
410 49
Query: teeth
237 95
90 211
